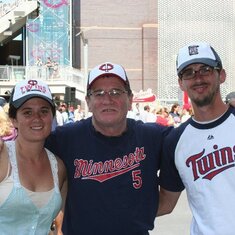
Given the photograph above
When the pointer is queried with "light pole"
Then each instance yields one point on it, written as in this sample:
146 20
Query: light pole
85 56
85 50
85 63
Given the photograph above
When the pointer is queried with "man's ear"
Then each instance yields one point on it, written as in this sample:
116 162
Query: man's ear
222 75
88 103
130 102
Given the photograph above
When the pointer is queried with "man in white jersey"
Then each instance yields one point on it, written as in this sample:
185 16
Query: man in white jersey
199 155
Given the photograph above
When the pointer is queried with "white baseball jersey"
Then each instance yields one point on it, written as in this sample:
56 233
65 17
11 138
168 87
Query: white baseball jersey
201 158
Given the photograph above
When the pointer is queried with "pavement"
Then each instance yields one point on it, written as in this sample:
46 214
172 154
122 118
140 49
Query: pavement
176 223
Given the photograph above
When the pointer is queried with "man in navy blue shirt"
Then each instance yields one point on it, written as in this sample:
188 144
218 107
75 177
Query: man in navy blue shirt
112 161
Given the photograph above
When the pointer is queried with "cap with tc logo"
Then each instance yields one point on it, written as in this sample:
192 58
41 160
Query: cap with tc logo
28 89
107 68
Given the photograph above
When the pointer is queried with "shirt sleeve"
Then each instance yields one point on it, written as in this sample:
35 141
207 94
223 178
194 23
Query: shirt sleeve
169 175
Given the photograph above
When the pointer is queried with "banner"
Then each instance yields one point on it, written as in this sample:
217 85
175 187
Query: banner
144 96
48 34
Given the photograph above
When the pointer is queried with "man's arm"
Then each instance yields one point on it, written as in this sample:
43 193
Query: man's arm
167 201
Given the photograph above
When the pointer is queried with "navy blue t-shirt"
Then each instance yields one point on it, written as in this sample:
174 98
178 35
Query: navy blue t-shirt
113 183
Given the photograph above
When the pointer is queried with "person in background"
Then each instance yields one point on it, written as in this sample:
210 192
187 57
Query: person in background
175 114
49 68
230 98
2 102
186 113
7 130
31 177
163 118
199 154
55 70
78 113
58 118
64 113
112 162
136 109
148 116
39 65
71 114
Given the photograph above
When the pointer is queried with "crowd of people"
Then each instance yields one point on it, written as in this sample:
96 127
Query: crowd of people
50 66
124 164
67 114
146 113
161 114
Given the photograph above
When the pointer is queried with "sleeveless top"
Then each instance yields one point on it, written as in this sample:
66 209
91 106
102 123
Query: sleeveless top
18 214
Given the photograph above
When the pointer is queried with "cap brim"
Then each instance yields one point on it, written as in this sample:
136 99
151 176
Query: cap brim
103 75
22 100
206 61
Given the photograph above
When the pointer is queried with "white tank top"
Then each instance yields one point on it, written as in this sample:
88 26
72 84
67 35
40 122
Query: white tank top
39 199
18 213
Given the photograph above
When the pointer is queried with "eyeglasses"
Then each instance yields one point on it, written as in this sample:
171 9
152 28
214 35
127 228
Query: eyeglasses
114 93
191 73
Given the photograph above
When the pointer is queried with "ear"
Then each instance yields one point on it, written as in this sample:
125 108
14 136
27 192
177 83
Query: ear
14 122
130 102
88 101
222 76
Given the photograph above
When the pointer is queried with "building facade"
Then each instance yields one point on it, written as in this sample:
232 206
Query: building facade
143 36
124 33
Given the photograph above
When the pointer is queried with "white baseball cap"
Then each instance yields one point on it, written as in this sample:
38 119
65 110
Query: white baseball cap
199 52
107 68
27 89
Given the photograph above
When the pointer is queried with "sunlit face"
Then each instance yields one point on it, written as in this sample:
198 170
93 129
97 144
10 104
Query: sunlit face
34 120
203 90
109 111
